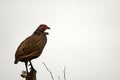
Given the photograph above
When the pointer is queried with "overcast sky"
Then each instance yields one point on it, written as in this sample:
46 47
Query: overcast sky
84 37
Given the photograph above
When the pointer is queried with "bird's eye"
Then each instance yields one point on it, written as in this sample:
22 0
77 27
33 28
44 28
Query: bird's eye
43 27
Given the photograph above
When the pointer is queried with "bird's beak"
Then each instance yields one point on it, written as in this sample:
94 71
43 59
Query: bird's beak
48 27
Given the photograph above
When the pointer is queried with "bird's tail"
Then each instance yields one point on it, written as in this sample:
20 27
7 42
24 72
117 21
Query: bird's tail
16 61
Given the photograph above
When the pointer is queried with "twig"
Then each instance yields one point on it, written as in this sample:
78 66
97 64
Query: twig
48 71
64 73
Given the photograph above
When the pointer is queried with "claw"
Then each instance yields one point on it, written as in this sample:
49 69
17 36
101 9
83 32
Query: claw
24 74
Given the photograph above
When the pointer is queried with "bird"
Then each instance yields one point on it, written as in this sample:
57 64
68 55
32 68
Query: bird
32 46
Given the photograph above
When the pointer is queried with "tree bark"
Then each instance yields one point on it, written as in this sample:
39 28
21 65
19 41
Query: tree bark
30 76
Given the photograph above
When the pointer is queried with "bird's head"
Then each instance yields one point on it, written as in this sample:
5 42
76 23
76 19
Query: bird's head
42 28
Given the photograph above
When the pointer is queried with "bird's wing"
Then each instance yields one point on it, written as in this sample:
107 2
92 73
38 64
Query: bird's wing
29 45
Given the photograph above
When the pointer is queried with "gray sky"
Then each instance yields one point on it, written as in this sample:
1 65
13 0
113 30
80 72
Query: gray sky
84 36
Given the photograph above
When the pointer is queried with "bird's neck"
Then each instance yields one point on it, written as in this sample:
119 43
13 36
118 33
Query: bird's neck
38 32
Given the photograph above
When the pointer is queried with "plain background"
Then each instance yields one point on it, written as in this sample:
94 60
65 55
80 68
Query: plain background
84 37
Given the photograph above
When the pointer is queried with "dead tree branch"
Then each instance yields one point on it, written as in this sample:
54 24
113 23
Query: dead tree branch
30 76
49 71
64 73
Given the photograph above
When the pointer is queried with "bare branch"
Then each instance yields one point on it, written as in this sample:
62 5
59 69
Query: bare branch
30 76
64 72
48 71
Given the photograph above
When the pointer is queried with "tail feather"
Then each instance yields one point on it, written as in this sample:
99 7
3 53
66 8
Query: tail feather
15 62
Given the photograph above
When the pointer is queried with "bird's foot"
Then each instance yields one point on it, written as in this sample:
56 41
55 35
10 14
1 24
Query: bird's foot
25 75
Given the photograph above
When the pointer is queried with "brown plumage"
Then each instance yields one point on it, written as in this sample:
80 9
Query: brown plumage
32 46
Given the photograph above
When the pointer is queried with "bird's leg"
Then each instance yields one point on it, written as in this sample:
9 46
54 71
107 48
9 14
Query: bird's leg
31 65
26 67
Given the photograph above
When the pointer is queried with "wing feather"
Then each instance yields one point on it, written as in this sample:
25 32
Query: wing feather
31 47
